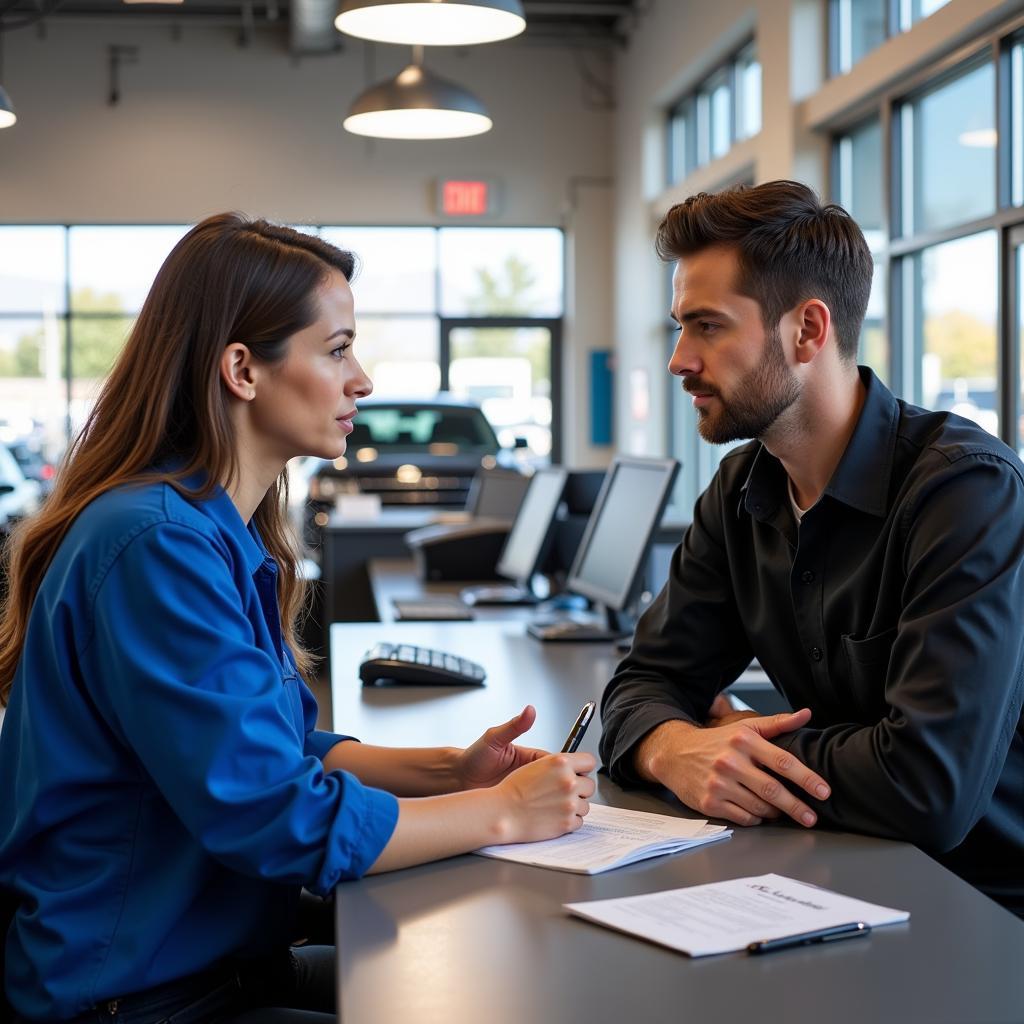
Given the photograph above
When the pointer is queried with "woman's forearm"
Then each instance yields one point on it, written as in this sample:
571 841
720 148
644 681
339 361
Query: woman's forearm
404 771
443 826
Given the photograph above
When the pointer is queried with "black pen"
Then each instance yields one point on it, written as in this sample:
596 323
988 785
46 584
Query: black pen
833 934
573 740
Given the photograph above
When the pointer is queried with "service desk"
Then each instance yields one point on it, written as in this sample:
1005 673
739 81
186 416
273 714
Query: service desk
471 940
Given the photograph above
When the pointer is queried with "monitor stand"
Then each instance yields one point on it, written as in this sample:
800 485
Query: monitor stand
574 631
497 594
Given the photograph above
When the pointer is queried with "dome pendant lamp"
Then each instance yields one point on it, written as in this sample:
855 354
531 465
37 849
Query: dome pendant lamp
417 104
431 22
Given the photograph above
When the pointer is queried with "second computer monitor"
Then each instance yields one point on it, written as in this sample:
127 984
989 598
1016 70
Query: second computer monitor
496 494
611 556
531 532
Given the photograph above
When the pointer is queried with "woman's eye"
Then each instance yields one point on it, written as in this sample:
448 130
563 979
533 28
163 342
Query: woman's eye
339 352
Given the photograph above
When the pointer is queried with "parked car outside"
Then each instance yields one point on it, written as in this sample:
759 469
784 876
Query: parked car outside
34 464
409 452
19 496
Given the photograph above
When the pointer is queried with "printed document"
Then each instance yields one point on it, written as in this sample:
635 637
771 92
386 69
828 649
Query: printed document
611 837
723 917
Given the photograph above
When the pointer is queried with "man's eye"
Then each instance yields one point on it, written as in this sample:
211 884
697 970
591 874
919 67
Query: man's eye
709 328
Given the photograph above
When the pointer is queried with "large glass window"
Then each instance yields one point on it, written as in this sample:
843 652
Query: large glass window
858 188
955 290
707 122
501 271
78 290
859 26
948 151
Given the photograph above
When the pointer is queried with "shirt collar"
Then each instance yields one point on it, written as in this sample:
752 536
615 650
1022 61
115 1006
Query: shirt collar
861 480
222 510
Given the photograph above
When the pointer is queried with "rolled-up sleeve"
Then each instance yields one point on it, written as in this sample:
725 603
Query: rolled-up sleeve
171 660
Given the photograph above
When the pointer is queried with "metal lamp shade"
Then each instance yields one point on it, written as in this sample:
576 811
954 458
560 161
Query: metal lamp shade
436 23
417 105
7 114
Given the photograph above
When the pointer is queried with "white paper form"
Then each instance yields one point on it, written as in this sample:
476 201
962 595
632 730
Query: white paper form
611 837
723 917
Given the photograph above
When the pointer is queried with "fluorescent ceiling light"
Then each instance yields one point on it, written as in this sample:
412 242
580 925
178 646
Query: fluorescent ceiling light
438 23
7 114
417 104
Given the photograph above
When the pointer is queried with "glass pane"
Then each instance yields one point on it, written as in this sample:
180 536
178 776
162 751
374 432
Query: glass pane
397 267
112 268
501 271
748 98
860 180
401 355
508 371
1019 320
719 103
918 9
680 160
96 342
861 25
959 371
874 343
33 397
32 269
1017 122
954 152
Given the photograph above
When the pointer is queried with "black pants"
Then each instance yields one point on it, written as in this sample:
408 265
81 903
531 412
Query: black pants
294 986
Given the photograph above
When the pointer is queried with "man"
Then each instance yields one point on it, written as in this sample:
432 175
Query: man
869 553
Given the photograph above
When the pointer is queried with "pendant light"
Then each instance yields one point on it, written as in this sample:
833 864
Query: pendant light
417 104
431 22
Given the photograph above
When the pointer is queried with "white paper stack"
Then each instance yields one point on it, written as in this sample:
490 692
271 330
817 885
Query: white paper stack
611 838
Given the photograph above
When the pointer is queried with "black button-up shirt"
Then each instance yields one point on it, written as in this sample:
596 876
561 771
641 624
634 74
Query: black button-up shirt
894 612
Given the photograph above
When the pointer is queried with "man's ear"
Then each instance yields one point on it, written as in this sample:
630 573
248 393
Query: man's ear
236 371
814 322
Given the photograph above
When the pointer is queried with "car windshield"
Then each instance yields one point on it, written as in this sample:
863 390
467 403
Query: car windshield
411 428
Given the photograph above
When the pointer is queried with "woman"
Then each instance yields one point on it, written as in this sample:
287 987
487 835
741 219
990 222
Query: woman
166 794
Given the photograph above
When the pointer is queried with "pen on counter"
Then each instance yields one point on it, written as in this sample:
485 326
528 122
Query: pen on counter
572 741
840 931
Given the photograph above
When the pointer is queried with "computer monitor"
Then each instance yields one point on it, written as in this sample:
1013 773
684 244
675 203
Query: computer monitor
528 541
609 563
496 494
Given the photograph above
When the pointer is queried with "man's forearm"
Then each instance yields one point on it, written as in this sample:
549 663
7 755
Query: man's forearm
408 771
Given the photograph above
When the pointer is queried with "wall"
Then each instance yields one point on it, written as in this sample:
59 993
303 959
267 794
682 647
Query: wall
204 124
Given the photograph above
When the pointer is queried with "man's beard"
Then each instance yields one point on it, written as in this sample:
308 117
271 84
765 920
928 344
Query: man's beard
759 399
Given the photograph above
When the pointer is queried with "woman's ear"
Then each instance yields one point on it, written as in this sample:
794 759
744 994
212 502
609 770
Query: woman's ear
236 371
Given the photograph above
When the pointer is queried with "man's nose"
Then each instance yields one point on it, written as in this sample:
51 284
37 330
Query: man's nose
684 360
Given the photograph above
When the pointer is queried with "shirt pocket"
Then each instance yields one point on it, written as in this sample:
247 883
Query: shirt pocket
867 666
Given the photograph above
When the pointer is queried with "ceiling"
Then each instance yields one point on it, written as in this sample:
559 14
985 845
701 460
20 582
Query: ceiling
309 23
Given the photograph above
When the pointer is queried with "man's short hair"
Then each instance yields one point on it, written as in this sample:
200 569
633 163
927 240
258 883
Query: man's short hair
790 248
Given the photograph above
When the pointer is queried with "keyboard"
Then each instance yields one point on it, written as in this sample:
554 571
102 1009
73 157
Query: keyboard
413 665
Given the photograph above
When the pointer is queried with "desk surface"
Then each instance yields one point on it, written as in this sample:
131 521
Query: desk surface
470 939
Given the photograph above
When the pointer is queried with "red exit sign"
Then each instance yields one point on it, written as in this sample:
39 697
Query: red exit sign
466 198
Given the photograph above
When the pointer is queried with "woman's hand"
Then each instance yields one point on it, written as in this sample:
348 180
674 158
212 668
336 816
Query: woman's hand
492 757
546 798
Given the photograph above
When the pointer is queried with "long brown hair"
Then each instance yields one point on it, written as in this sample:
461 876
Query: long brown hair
790 248
230 279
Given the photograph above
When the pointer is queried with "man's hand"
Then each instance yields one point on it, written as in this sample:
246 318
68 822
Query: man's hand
492 757
720 771
722 712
